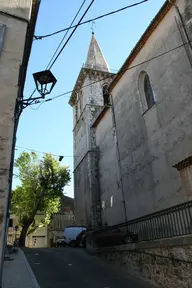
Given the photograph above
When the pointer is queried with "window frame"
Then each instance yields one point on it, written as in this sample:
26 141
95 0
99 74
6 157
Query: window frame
105 103
145 106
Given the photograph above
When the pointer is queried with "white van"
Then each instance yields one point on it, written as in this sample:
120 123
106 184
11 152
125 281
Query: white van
71 233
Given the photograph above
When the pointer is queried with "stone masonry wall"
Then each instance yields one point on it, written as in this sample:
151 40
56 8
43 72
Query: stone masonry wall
169 266
87 191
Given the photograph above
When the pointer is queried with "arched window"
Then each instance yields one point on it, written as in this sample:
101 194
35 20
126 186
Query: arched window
146 91
106 99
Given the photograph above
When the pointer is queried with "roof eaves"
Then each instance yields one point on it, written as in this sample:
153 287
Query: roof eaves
152 26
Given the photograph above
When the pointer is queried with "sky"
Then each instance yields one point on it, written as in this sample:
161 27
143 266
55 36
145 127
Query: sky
49 128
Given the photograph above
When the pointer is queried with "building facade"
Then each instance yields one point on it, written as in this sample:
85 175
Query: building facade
17 24
45 235
142 140
87 102
37 239
65 217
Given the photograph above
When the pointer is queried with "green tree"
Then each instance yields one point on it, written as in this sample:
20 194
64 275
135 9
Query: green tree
42 185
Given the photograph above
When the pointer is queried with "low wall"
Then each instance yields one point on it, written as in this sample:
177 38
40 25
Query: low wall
166 263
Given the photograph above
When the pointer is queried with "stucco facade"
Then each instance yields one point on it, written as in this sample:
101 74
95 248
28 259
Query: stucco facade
17 22
151 140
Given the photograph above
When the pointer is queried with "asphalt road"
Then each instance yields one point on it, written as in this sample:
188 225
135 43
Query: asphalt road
74 268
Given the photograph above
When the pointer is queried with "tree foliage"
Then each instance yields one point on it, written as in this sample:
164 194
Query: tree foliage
42 186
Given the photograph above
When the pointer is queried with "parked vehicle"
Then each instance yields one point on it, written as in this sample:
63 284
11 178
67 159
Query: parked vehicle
71 235
81 239
115 237
60 242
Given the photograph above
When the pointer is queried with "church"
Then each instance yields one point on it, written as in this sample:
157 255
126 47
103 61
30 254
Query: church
133 129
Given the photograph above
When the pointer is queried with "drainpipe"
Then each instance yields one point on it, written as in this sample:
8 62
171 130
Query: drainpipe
182 22
119 160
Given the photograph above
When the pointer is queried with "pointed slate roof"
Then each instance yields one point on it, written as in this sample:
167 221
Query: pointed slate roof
95 59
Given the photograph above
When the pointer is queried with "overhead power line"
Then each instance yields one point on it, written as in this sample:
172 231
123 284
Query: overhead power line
122 71
80 23
66 33
58 48
67 30
71 34
90 20
41 152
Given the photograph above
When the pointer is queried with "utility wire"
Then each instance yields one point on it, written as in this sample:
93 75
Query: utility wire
67 30
80 23
66 33
40 152
71 34
122 71
36 108
90 20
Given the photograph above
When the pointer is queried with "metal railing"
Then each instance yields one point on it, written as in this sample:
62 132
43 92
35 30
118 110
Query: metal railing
171 222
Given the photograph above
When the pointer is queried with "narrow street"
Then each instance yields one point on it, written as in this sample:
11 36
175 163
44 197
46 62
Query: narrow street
68 267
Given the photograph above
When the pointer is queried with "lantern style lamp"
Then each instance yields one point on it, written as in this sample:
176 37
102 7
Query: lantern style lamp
44 81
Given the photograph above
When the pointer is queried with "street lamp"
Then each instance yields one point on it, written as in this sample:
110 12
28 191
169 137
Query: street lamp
44 81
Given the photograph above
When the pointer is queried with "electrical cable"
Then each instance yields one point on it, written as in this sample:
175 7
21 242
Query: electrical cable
71 34
66 32
121 71
61 43
36 108
40 152
80 23
93 19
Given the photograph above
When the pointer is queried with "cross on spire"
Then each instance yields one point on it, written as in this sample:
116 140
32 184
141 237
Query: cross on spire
92 26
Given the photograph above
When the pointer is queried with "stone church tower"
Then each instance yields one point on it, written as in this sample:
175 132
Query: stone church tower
87 101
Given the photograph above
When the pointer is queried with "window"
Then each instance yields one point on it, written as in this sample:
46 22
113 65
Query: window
106 98
10 222
146 91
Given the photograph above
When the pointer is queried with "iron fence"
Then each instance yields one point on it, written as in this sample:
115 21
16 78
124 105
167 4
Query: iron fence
171 222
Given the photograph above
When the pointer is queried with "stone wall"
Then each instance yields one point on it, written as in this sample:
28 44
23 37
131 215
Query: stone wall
86 178
166 263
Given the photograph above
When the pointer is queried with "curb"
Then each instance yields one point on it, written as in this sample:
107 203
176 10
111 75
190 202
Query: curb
35 283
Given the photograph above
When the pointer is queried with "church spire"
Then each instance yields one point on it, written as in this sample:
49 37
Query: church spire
95 59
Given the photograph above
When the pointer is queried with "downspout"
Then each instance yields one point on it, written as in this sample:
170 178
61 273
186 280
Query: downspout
118 160
182 22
